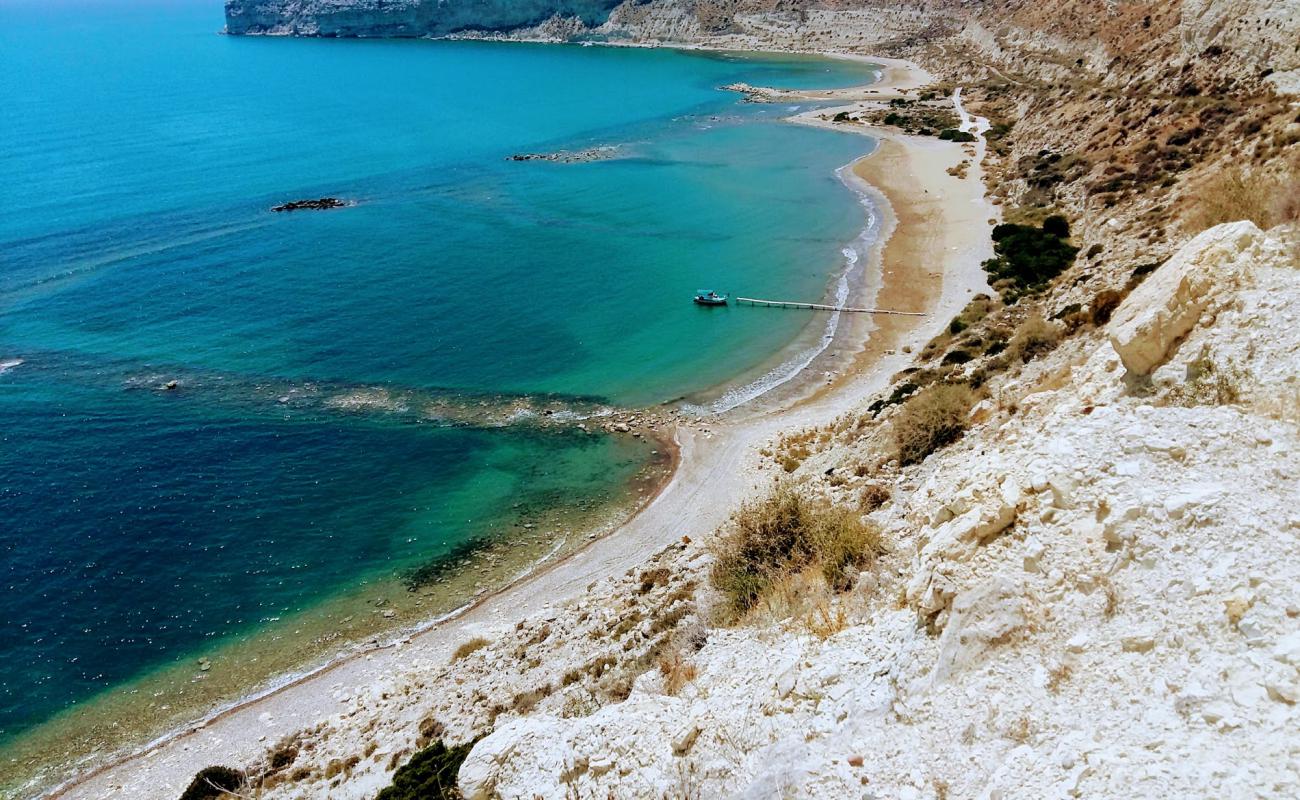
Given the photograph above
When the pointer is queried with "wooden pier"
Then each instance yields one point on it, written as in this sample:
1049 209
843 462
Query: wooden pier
753 301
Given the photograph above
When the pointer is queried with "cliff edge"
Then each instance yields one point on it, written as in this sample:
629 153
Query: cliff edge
403 18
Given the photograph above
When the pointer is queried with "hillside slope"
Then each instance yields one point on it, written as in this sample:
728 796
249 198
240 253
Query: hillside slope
1091 595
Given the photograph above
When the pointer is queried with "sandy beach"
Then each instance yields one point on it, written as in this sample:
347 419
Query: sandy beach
933 238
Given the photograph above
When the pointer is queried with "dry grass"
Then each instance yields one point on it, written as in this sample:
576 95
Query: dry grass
1035 337
477 643
1103 305
1208 384
785 534
823 621
1237 193
1058 676
872 497
677 672
933 417
1111 593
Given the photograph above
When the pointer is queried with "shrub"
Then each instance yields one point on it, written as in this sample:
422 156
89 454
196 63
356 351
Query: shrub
1208 384
1056 225
787 533
1238 193
677 672
1103 306
429 775
282 756
1033 338
213 782
955 135
477 643
873 496
1027 258
934 417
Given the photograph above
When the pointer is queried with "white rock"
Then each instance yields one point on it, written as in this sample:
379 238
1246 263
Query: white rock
1138 643
1033 555
1172 299
981 617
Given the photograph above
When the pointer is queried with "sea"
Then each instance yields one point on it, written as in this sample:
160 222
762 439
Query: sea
235 443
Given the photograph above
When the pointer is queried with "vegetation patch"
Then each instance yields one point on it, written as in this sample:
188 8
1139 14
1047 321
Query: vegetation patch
213 782
477 643
1208 384
900 393
429 775
1035 337
1251 194
784 534
918 120
956 135
1028 258
934 417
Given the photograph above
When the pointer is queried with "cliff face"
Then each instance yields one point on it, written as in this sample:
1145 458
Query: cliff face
403 18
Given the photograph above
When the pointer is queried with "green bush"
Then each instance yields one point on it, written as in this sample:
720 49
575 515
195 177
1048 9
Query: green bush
955 135
213 782
1027 258
785 534
1058 226
429 775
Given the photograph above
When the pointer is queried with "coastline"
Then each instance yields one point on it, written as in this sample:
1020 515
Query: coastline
718 464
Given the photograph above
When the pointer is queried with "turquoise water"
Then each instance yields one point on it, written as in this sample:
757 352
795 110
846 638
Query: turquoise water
139 156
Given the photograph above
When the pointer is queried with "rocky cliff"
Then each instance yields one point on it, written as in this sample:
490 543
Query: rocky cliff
404 18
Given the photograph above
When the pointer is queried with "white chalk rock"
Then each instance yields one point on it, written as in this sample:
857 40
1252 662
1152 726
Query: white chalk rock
1170 301
981 617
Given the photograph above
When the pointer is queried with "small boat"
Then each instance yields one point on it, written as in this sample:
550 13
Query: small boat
708 297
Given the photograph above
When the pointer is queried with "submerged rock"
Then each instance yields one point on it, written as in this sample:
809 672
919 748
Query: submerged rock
569 156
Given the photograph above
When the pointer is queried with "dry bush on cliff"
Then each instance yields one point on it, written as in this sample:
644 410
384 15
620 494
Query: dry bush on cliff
477 643
930 419
784 534
1033 338
1238 193
677 672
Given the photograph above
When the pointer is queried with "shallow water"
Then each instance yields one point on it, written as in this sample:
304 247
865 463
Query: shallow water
350 382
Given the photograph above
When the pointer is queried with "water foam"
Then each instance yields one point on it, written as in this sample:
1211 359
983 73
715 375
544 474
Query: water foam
854 253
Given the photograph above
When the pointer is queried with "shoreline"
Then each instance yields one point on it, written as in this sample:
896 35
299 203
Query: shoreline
716 468
642 489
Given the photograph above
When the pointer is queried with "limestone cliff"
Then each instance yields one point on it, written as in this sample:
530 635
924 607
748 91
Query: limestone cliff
402 18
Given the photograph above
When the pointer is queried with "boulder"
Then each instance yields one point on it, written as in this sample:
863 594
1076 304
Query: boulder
981 617
1160 312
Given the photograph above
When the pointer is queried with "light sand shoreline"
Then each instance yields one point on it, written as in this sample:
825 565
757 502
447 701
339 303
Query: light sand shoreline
936 220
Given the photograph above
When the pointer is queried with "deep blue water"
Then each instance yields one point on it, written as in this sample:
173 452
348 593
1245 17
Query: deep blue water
139 155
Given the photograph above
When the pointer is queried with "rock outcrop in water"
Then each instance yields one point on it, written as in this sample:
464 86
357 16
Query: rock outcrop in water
320 204
402 18
570 156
